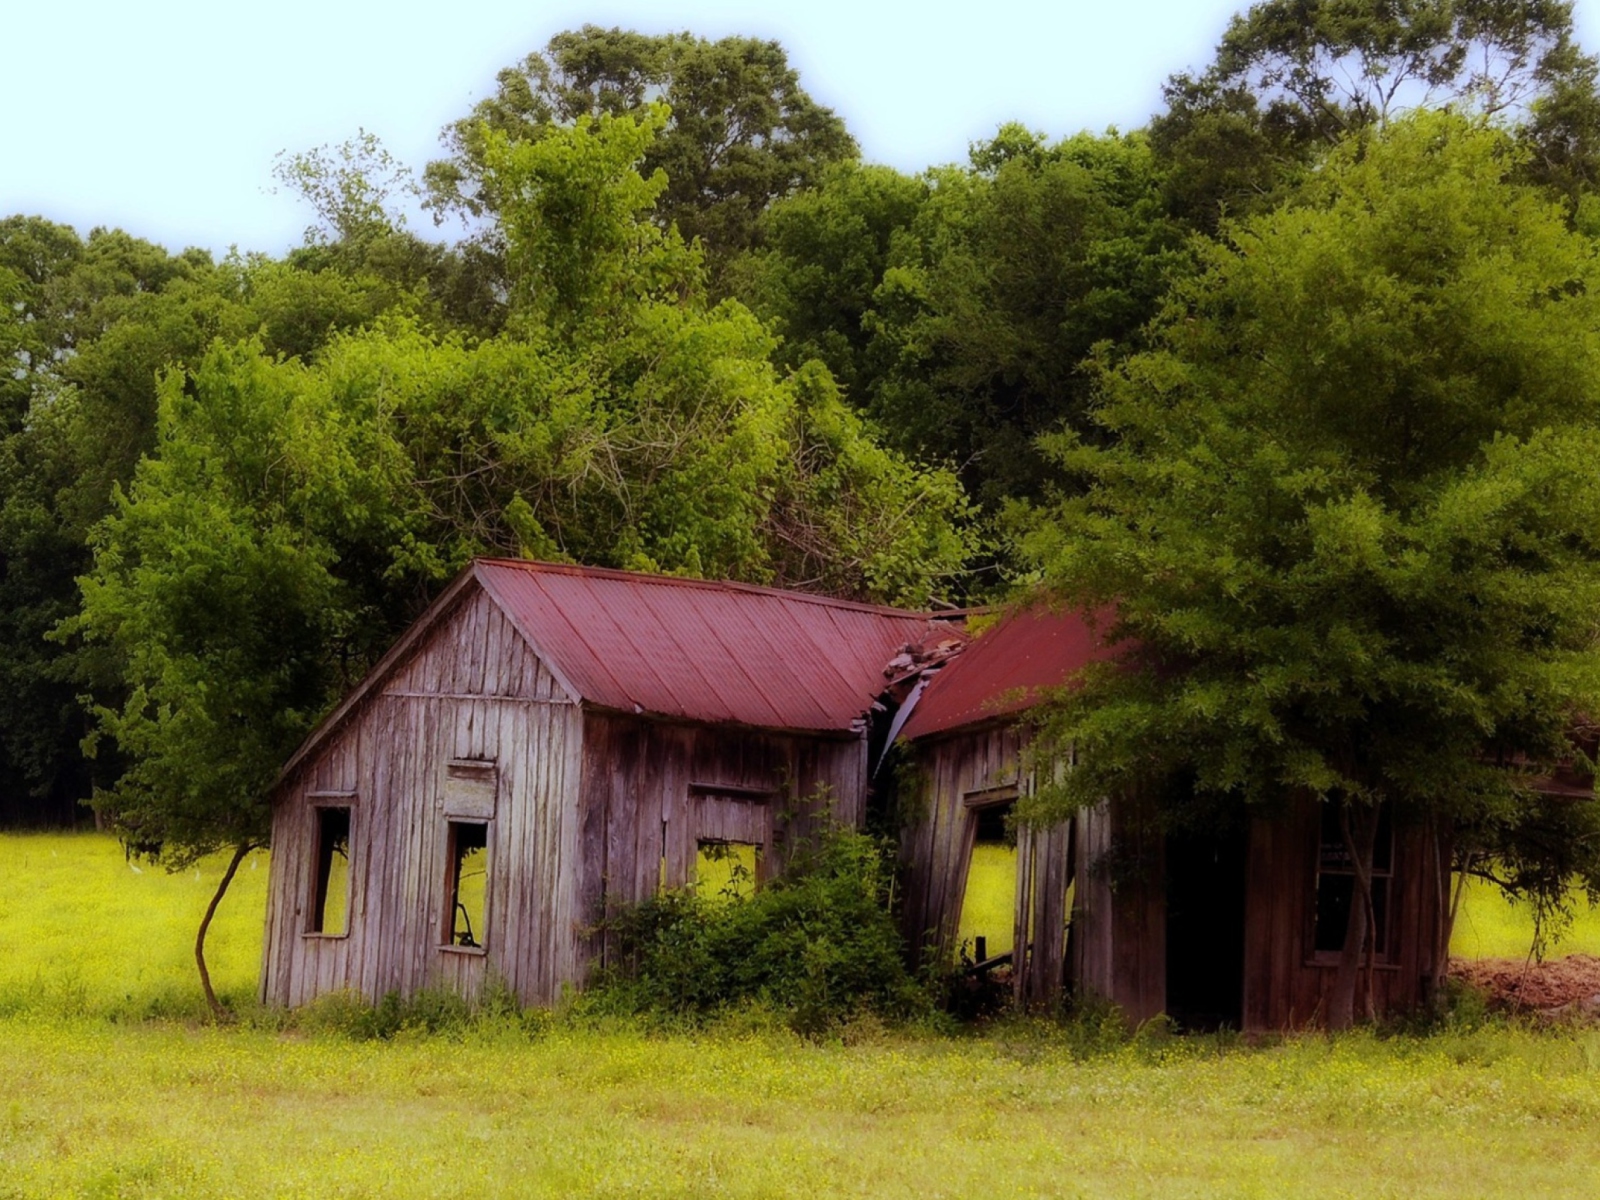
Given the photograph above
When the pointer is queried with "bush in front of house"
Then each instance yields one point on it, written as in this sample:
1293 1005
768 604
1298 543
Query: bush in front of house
817 945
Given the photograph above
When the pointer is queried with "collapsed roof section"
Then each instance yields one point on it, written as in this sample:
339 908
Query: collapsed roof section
1006 670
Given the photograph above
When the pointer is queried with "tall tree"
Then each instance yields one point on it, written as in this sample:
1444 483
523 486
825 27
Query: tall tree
1290 77
821 257
94 321
356 190
743 131
1347 512
959 307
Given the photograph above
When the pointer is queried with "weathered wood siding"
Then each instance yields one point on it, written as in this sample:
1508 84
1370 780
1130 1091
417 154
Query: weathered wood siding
936 842
1285 981
1119 920
1044 882
1112 866
473 690
958 775
652 790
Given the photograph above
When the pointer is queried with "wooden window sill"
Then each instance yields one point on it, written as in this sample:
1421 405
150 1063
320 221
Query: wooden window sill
475 951
325 937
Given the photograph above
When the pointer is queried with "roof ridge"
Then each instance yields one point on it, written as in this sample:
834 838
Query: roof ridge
535 565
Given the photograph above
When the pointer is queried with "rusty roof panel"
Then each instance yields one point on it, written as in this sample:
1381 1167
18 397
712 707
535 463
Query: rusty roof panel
705 651
1006 669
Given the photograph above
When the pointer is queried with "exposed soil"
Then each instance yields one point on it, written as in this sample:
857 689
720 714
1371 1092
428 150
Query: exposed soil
1571 984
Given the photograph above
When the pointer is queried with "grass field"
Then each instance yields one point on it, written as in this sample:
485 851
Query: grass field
83 931
1490 926
99 1099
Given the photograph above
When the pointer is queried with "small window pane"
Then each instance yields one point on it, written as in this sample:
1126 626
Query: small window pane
726 869
1333 910
469 874
331 902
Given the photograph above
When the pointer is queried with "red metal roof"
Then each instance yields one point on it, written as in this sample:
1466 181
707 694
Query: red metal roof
1005 669
704 651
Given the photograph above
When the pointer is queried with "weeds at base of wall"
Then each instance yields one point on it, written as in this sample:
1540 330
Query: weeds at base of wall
430 1013
817 946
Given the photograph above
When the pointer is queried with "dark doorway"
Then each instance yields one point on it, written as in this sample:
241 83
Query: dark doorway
1205 929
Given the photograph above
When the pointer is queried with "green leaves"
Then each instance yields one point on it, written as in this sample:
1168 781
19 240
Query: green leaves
575 214
742 131
1347 510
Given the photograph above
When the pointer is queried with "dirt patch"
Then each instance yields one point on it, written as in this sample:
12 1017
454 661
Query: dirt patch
1519 985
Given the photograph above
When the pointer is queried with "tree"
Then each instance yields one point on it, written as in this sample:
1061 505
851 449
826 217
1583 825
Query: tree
212 582
958 308
1345 511
1291 77
821 256
95 321
743 132
360 233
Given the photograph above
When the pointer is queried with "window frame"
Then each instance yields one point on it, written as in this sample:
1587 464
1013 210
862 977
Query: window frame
451 889
1386 954
319 803
976 805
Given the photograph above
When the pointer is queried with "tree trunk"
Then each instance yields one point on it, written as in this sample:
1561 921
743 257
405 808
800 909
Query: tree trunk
239 852
1447 923
1360 831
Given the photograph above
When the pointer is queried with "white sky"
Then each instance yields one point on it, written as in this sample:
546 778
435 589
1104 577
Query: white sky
163 117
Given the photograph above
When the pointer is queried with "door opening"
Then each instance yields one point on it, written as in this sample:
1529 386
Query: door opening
989 895
1205 928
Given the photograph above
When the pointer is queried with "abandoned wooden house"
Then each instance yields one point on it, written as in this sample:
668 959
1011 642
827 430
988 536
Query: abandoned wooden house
548 742
1237 927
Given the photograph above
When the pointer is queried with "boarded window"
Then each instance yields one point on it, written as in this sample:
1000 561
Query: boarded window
725 869
988 904
1336 884
466 884
470 789
330 901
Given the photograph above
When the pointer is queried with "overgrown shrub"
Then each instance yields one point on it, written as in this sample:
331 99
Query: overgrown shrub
817 944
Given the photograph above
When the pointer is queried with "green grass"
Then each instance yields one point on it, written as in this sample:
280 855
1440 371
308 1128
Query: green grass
85 931
1490 926
97 1101
163 1110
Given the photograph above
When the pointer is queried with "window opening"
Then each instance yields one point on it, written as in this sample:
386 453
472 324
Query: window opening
330 908
726 870
1336 884
988 905
469 874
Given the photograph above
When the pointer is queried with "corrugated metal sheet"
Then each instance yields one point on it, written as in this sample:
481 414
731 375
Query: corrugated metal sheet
1005 669
704 651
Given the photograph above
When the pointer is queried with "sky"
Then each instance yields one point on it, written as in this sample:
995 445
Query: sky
164 117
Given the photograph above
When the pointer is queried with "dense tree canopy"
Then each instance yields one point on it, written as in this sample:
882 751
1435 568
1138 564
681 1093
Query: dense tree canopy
1291 77
1346 509
742 130
94 321
957 308
294 515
